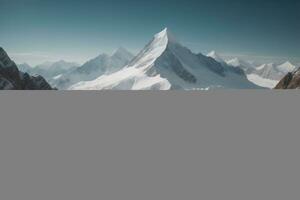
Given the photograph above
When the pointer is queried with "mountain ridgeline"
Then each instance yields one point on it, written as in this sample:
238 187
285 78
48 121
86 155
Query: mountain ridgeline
264 75
101 65
13 79
164 64
290 81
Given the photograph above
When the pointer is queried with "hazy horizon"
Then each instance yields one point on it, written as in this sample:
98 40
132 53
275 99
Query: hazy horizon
35 31
40 59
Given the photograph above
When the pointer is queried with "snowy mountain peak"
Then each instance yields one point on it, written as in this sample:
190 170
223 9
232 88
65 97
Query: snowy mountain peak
287 67
165 35
154 49
236 62
121 50
123 53
61 62
161 34
287 63
212 53
26 64
165 64
216 56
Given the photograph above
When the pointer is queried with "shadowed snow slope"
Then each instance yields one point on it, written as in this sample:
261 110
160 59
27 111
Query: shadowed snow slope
263 82
164 64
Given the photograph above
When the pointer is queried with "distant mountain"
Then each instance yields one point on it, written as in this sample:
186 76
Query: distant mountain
51 69
102 65
13 79
287 67
105 64
268 75
246 66
165 64
216 56
25 67
271 71
59 65
265 75
290 81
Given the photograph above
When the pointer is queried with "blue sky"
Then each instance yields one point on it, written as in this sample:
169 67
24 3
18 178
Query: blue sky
76 30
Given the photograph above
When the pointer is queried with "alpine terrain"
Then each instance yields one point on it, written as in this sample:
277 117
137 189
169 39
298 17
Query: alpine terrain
49 70
13 79
216 56
290 81
165 64
103 64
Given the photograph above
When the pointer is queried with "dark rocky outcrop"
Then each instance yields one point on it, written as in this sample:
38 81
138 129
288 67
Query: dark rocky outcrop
290 81
12 79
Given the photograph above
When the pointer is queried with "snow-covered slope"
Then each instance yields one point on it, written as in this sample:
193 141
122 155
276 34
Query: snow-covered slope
165 64
263 82
102 65
216 56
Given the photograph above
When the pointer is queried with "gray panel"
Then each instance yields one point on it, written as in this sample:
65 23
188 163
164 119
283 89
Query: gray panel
220 145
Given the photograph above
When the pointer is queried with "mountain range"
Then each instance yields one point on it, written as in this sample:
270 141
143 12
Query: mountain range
164 64
13 79
48 69
270 74
264 75
101 65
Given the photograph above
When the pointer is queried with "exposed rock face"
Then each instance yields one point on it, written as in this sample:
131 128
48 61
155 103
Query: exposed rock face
290 81
12 79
